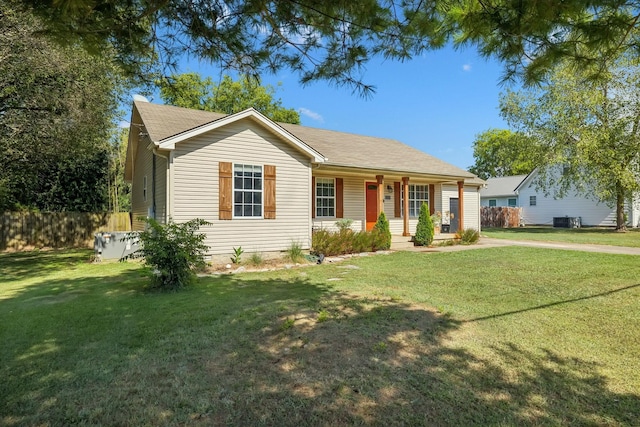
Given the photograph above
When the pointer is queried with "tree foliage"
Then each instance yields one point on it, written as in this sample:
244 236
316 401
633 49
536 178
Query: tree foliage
57 107
531 37
190 90
424 229
502 152
334 40
589 131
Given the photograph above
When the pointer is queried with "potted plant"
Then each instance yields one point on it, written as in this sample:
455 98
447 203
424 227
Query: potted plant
436 218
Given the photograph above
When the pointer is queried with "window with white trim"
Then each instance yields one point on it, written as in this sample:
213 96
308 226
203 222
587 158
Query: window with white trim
493 202
325 197
247 191
532 200
512 203
418 194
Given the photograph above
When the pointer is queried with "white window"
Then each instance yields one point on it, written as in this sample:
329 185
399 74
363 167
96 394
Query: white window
247 191
532 200
418 194
144 188
492 202
512 203
325 197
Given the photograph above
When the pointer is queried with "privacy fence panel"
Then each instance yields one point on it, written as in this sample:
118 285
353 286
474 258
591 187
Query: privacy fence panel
19 230
500 216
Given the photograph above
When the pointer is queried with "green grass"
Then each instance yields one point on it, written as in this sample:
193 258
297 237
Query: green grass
520 336
589 235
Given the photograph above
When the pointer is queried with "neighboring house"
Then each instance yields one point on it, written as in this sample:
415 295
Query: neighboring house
263 185
540 209
501 191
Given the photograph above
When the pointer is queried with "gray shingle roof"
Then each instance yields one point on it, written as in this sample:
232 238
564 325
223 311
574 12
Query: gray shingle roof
502 186
341 149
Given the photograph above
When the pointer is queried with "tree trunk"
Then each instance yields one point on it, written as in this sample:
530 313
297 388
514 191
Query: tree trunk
620 222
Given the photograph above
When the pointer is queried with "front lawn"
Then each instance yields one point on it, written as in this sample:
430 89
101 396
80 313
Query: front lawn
587 235
502 336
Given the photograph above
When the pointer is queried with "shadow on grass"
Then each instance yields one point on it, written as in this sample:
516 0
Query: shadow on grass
553 304
28 264
274 349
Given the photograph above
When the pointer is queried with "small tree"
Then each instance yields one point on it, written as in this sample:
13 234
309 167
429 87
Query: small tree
424 229
382 229
173 251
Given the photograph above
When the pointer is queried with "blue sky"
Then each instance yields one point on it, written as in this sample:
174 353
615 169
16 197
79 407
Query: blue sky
437 103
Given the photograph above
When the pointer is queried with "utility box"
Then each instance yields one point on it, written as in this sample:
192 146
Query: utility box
115 245
567 222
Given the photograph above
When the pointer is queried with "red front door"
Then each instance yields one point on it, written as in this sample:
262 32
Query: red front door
372 204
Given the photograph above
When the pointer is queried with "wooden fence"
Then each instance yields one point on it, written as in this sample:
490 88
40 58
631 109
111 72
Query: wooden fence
22 230
500 216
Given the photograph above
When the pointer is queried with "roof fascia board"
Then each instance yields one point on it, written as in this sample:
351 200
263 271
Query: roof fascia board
355 170
170 143
526 179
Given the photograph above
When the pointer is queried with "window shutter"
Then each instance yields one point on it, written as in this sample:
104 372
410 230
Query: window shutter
397 210
313 197
339 198
269 192
225 208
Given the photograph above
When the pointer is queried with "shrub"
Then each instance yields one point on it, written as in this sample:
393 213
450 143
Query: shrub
424 229
347 242
383 238
173 251
468 236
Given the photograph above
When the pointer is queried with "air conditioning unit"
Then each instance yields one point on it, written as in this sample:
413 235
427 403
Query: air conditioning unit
567 222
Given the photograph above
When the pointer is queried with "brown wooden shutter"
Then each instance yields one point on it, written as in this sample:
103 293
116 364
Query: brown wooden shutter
269 192
339 198
397 210
313 197
225 172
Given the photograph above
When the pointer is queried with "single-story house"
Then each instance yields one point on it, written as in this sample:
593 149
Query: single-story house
263 185
540 209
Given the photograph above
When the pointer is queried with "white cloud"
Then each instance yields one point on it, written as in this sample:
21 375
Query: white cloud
137 97
311 114
123 124
466 67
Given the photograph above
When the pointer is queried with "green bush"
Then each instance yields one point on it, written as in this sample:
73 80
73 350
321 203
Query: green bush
173 251
468 236
347 242
424 229
382 232
344 224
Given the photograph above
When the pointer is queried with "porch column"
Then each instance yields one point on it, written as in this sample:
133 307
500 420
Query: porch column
380 180
461 205
405 205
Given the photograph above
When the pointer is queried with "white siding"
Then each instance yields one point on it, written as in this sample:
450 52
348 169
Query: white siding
471 207
471 204
546 208
142 168
196 188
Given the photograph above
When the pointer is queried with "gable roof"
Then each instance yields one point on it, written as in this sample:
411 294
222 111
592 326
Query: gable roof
168 125
502 186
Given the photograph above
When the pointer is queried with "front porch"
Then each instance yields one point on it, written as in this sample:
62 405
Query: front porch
401 243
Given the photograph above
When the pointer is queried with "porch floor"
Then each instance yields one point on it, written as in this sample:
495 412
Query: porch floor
402 243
